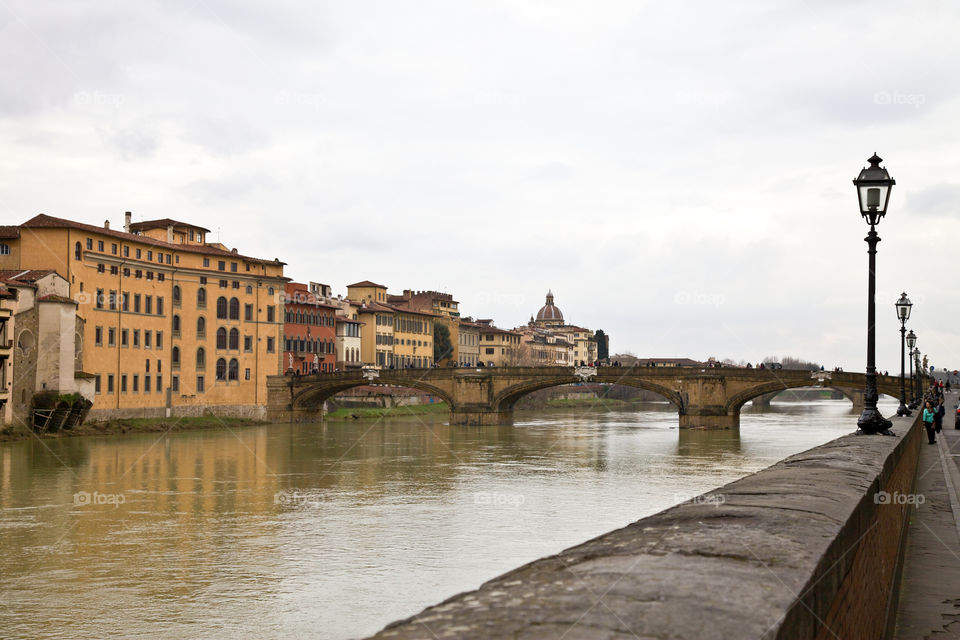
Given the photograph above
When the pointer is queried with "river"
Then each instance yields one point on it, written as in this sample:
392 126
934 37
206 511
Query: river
334 530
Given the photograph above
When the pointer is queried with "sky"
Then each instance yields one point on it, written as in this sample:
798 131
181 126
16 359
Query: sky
678 174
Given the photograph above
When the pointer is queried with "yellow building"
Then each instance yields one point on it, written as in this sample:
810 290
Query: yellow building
173 325
412 338
498 347
441 305
468 343
412 334
376 334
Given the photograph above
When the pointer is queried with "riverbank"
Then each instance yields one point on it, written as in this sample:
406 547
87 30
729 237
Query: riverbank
137 425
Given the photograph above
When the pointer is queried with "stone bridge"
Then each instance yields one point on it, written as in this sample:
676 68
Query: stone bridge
708 398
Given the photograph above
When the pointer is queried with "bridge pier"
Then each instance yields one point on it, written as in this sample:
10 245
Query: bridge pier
709 419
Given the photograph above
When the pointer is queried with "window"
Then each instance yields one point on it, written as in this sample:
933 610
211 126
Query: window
89 244
201 298
201 327
270 345
161 276
109 378
136 303
203 279
233 267
126 272
270 291
159 305
112 301
248 312
271 313
248 343
100 248
201 358
176 326
148 304
206 262
125 298
235 284
159 383
149 255
124 335
101 268
233 371
98 336
99 301
138 274
113 248
113 270
147 340
175 384
146 365
146 384
234 339
111 337
149 275
234 309
223 284
489 350
96 379
246 372
159 339
123 383
221 266
126 251
221 338
175 357
222 307
77 251
136 338
168 262
139 253
221 369
199 384
249 288
176 295
136 383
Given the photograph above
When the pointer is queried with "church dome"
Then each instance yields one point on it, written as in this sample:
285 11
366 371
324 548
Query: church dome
550 312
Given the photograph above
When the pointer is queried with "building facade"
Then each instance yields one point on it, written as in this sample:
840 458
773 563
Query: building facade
309 331
173 325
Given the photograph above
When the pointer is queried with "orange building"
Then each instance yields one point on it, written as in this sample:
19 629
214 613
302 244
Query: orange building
309 331
173 325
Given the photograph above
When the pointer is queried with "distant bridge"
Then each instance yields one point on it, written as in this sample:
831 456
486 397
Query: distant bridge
709 398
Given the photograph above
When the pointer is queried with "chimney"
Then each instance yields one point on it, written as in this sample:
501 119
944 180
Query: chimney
106 224
170 233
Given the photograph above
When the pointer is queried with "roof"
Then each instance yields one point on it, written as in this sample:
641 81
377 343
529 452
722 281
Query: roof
346 319
366 283
23 276
415 312
9 232
492 329
163 223
55 298
43 221
367 307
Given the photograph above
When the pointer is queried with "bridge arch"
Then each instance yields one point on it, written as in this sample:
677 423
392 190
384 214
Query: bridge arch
886 385
312 397
508 397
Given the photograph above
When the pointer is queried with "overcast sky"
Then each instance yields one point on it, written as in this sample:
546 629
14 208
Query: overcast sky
679 174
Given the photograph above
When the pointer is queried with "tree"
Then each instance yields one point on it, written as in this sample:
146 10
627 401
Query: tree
603 344
442 348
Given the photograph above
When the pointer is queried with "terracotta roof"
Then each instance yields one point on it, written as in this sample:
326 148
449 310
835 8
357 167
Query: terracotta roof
345 319
55 298
9 232
415 312
163 223
366 283
43 221
24 276
367 307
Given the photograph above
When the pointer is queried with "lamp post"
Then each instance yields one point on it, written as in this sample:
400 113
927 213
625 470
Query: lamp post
903 307
911 343
873 192
916 367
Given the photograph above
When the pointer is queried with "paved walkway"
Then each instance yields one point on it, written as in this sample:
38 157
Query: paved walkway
930 587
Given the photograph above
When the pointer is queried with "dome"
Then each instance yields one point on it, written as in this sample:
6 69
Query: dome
550 312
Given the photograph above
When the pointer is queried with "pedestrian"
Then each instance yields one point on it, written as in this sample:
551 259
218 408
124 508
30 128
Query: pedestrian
938 418
948 386
928 415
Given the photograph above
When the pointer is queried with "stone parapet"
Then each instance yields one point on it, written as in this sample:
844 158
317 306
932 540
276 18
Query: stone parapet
808 548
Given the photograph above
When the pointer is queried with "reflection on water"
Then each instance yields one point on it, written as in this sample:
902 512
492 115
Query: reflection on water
334 530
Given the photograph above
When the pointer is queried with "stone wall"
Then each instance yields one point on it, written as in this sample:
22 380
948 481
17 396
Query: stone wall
803 549
250 411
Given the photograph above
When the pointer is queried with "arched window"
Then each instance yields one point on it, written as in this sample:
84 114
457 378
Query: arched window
222 307
201 298
77 251
234 339
221 338
176 295
175 357
234 372
176 325
201 327
234 309
201 358
221 369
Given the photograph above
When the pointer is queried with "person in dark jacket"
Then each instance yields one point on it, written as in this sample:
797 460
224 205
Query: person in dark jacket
938 417
928 415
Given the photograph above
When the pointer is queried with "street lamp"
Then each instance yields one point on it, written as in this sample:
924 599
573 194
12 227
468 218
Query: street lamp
916 368
873 191
903 306
911 343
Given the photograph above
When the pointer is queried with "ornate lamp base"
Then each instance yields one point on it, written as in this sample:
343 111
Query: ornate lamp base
871 422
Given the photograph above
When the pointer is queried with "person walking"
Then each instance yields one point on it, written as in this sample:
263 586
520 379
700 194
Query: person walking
938 417
928 415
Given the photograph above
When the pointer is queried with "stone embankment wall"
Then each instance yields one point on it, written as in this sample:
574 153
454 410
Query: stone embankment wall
250 411
808 548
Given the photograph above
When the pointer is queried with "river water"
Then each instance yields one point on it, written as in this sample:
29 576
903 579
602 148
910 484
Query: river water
334 530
